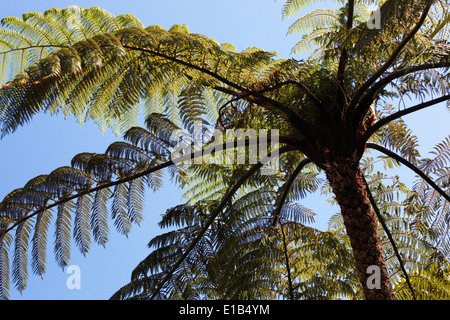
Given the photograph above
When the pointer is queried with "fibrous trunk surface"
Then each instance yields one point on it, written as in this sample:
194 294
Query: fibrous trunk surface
360 220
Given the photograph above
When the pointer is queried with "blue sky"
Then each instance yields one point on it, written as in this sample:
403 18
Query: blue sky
50 142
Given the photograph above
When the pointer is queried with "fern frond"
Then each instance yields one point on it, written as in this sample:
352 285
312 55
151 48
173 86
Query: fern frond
310 41
20 260
63 235
100 76
39 243
99 216
390 14
119 210
297 213
191 107
318 19
292 7
135 200
5 242
82 227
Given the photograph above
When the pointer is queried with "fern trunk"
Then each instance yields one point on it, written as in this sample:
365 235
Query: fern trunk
360 221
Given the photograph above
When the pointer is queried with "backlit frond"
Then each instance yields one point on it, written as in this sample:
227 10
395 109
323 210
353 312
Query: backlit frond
100 76
318 19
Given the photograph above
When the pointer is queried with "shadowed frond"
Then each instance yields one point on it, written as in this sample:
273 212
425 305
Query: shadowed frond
94 191
39 242
318 19
20 260
63 234
5 242
82 228
87 196
441 157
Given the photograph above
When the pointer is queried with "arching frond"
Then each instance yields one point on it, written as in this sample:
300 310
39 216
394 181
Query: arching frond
441 157
20 261
82 227
318 19
100 76
292 7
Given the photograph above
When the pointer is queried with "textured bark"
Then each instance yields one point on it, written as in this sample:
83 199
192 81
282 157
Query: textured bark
360 221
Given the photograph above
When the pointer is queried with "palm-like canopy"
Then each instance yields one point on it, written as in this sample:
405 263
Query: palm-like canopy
324 108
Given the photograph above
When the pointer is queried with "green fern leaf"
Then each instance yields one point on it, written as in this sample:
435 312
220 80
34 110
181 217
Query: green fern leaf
99 217
39 243
20 260
82 228
63 235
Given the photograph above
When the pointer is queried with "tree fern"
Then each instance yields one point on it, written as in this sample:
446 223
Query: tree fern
242 234
292 7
